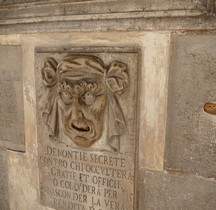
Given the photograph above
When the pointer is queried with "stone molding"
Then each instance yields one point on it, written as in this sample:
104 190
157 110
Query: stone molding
104 15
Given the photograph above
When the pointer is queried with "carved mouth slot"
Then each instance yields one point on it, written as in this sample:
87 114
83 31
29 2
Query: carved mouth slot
82 129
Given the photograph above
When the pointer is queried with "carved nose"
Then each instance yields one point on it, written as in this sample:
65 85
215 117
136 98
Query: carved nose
76 111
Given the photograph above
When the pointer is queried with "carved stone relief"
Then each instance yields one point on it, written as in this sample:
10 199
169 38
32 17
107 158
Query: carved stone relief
86 128
78 89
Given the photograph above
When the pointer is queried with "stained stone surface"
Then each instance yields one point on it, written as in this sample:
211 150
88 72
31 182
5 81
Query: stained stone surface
4 199
162 191
11 98
157 190
87 128
191 132
24 187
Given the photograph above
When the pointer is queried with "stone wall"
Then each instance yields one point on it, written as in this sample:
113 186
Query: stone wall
175 139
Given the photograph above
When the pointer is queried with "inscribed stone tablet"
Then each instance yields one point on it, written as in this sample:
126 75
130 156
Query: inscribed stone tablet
191 132
4 204
87 128
11 98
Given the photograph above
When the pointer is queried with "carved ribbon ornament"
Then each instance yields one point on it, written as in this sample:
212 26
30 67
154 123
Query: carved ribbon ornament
80 87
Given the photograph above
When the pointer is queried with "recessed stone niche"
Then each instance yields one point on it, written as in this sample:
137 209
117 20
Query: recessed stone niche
86 116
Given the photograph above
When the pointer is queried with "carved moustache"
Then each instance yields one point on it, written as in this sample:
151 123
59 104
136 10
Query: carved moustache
81 125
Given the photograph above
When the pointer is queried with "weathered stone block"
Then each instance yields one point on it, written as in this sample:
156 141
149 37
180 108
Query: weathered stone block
11 98
4 199
162 191
191 132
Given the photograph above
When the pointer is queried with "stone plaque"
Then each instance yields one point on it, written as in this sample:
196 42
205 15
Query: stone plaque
11 98
86 103
4 204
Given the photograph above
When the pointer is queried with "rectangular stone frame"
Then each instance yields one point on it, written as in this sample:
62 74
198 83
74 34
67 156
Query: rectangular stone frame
42 165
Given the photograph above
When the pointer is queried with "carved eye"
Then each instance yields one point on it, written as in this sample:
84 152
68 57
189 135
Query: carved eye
88 98
66 97
83 84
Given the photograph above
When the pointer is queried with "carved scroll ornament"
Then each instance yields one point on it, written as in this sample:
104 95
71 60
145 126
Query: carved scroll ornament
78 90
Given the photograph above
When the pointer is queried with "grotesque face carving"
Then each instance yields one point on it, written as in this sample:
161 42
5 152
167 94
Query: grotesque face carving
82 104
77 91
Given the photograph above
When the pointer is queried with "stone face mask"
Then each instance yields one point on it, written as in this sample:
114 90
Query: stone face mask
80 87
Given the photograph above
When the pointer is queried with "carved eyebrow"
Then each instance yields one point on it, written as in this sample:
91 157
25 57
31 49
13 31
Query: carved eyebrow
95 67
74 62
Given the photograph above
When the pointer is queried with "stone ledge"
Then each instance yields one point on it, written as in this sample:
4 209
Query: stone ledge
98 8
52 16
128 24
